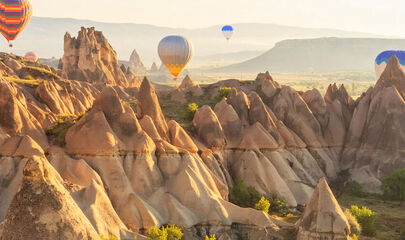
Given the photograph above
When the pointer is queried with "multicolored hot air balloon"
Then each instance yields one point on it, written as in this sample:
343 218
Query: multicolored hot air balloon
227 30
382 60
31 56
14 17
175 53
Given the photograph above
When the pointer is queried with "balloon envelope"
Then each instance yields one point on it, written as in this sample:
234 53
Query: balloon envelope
227 30
175 53
382 60
31 56
14 17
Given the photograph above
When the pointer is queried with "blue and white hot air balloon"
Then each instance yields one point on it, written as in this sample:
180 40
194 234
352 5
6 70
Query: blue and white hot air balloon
382 60
227 30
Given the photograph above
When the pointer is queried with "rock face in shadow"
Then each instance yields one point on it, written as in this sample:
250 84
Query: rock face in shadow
90 58
323 218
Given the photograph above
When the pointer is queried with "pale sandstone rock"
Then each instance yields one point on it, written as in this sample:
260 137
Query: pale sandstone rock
90 58
323 218
49 211
208 127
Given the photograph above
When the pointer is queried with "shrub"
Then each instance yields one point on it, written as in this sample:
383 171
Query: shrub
355 189
354 224
394 186
263 205
171 232
155 233
244 195
212 237
111 237
290 215
279 205
366 218
224 92
191 109
402 234
339 185
29 77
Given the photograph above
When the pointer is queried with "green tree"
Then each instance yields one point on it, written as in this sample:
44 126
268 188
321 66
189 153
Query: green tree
263 205
278 205
394 186
243 195
366 218
355 189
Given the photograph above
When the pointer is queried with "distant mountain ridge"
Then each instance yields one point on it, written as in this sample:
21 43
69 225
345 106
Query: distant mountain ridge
44 36
321 54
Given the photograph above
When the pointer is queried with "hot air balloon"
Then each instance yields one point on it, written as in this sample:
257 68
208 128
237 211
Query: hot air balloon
14 17
382 60
227 30
31 56
175 53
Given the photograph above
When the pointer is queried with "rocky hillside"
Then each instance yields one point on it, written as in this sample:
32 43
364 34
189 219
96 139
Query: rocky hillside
98 156
322 54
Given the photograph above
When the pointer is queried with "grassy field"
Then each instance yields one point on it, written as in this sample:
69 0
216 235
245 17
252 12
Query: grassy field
390 215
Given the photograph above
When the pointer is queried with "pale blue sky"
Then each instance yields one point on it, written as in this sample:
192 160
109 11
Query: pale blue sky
375 16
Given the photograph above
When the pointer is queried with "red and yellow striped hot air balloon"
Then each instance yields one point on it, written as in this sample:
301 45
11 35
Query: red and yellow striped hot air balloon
14 17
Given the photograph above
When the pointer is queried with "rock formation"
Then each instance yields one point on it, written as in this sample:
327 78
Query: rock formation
149 105
90 58
187 88
120 166
154 68
376 136
43 208
133 80
135 63
323 218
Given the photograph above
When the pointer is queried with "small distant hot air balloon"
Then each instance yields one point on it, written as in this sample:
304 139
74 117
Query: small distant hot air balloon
31 56
227 30
14 17
382 60
175 53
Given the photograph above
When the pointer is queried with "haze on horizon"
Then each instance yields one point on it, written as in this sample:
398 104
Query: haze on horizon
372 16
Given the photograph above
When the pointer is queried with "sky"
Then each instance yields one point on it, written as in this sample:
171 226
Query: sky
384 17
